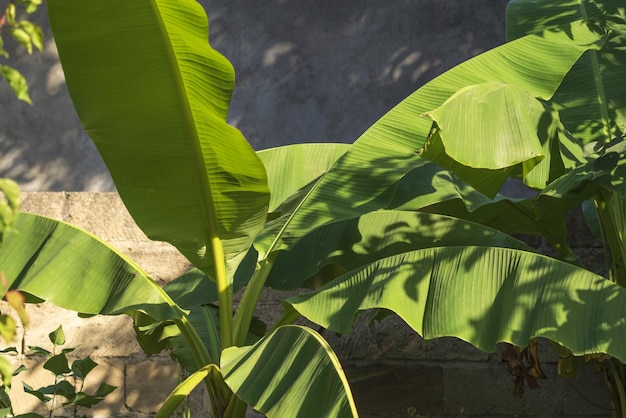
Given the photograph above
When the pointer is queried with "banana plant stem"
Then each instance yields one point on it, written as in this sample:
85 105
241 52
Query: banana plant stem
198 350
224 293
219 392
250 298
616 381
602 202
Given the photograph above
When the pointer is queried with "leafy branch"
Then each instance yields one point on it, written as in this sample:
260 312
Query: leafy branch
28 34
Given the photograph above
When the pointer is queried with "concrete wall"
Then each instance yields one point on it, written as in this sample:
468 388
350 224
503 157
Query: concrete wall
391 369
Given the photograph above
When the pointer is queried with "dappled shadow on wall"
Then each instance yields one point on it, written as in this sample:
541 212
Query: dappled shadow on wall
324 71
43 147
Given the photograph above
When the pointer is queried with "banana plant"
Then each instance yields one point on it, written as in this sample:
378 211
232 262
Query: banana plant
359 224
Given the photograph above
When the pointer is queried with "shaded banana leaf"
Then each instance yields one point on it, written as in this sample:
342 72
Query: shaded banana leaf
361 180
292 372
604 169
481 295
592 98
196 288
434 190
205 320
343 246
292 167
195 292
154 96
71 268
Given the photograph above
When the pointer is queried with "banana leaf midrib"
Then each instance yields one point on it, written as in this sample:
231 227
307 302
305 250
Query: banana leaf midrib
184 102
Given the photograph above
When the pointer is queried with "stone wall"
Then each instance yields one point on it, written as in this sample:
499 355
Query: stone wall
393 372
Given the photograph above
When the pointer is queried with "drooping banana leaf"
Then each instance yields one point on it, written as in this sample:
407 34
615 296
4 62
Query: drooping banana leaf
154 96
592 98
604 169
486 131
361 179
195 292
54 261
431 189
481 295
349 244
292 372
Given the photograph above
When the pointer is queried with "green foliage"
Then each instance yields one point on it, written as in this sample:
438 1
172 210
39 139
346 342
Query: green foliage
66 392
9 207
27 33
379 224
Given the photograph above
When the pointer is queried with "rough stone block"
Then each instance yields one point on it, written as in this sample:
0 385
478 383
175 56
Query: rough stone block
392 338
36 376
98 336
394 389
111 372
160 260
148 383
104 215
586 394
486 389
50 204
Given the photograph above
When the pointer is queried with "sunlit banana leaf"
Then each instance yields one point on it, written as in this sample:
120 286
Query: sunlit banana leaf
71 268
292 167
292 372
592 99
184 389
361 179
346 245
486 131
481 295
154 96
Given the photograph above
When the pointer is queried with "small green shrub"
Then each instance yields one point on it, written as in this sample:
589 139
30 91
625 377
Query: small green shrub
66 393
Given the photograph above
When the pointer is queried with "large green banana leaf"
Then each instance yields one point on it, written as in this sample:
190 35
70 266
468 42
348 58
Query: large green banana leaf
592 98
481 295
349 244
292 167
486 131
292 372
71 268
154 96
434 190
361 179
